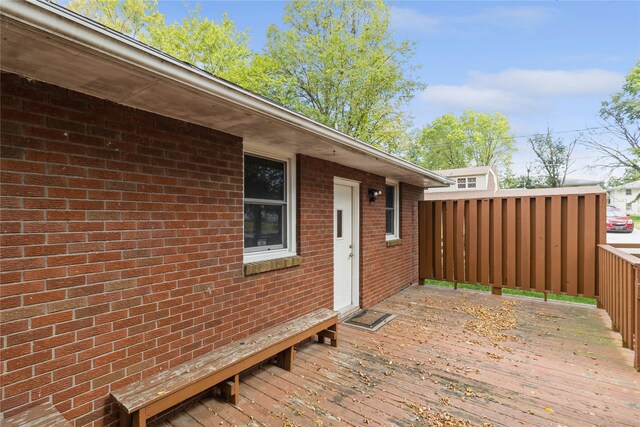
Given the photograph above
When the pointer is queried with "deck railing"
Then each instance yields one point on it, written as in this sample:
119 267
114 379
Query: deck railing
619 277
544 243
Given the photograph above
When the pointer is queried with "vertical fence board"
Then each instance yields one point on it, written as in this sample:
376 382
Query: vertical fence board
483 244
460 231
555 270
589 247
422 241
510 236
428 254
572 246
449 253
539 255
437 240
472 230
496 238
525 249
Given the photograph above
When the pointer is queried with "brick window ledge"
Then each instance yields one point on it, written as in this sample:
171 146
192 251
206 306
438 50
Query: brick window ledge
270 265
394 242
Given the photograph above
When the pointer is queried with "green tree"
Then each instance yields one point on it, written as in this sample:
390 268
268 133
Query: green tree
442 144
489 138
553 157
130 17
219 48
473 139
619 139
337 62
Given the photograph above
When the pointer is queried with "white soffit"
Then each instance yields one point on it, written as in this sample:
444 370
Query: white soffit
48 43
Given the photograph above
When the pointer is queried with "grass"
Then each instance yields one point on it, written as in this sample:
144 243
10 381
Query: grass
636 220
533 294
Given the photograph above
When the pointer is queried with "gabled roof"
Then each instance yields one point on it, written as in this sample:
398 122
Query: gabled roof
47 42
471 171
628 185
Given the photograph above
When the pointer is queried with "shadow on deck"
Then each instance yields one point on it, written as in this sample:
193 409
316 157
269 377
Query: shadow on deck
453 358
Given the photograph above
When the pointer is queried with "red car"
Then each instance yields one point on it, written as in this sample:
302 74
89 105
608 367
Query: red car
618 221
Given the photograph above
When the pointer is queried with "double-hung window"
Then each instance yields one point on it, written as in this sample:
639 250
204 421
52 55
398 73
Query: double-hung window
392 199
268 208
467 182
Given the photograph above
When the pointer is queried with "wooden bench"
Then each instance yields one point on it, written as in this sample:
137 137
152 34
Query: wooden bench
222 367
43 415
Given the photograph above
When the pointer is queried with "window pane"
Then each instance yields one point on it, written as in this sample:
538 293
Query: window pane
264 225
471 182
462 183
391 198
390 221
339 223
264 178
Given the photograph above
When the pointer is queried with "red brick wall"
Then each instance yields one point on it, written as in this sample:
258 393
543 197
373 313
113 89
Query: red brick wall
383 270
122 247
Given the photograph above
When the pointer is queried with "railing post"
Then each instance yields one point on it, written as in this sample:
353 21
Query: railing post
635 340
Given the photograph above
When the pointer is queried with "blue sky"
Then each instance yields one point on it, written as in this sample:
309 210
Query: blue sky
539 63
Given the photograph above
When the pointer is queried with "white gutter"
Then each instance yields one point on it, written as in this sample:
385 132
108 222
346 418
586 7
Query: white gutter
56 20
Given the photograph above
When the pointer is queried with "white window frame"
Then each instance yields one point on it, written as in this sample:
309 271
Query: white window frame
396 209
475 182
461 183
290 194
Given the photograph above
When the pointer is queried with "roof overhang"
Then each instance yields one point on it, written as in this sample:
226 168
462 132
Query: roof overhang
46 42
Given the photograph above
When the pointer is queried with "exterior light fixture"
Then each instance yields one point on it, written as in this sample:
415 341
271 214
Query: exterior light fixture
373 194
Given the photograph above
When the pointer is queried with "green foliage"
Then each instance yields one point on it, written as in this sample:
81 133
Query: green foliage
619 143
334 61
337 62
553 158
522 181
473 139
218 48
489 136
130 17
442 145
519 292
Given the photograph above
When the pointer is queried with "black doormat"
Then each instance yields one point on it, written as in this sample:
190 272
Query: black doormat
369 319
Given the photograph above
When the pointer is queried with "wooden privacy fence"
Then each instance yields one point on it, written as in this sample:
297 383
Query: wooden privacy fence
619 276
545 243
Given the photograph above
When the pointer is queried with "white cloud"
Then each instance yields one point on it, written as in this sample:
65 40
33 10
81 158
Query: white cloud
509 17
521 90
410 19
524 18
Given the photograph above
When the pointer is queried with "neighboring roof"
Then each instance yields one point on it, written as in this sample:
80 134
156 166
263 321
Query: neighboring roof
575 182
42 40
629 185
515 192
475 170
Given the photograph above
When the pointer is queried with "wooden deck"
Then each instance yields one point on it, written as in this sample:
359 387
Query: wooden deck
450 358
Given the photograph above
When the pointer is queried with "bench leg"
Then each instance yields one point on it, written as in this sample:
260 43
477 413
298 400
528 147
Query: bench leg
125 418
140 418
231 389
331 333
285 358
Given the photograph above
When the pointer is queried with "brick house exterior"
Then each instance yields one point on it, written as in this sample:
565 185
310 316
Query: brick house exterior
122 246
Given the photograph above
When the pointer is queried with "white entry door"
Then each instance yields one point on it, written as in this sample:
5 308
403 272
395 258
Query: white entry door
345 294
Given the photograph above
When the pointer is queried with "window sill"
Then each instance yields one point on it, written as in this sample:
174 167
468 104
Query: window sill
394 242
270 265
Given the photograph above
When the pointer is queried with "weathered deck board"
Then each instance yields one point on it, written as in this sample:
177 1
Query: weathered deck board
558 364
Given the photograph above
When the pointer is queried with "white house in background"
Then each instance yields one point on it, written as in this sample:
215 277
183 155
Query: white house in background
623 196
481 179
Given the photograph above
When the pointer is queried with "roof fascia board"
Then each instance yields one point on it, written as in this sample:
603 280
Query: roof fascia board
53 19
